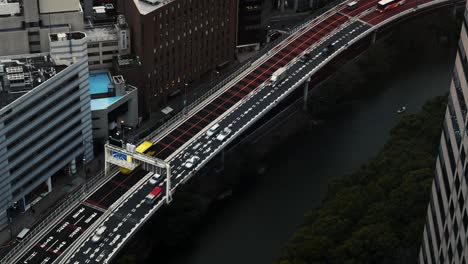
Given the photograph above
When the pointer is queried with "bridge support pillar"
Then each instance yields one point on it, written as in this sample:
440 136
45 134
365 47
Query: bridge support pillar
374 36
221 161
306 94
168 184
282 5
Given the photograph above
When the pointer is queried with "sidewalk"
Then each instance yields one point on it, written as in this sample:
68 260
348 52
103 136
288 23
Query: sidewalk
63 184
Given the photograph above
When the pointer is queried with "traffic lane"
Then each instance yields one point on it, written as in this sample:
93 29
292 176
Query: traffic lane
120 223
114 188
265 97
362 6
63 234
236 120
246 112
252 103
170 143
376 17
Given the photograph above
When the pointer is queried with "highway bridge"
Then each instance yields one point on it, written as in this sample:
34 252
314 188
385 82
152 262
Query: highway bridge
118 202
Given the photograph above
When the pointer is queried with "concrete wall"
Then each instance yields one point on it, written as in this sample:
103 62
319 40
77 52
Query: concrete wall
14 42
101 120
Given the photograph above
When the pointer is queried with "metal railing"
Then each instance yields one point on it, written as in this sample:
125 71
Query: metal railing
76 196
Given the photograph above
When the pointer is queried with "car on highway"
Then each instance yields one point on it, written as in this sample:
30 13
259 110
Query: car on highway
328 50
352 5
98 234
212 130
223 134
155 178
192 162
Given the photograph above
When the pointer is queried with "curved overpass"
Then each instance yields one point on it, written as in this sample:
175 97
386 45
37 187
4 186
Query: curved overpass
237 104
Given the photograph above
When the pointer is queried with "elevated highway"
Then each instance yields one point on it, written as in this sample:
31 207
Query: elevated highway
118 203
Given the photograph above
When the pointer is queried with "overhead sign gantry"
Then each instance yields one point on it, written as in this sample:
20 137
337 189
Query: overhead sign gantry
130 159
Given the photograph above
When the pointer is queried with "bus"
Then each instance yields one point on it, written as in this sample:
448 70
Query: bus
385 5
153 195
144 148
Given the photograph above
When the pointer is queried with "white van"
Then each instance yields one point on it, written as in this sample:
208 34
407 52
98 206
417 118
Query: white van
351 5
99 232
22 234
155 178
212 130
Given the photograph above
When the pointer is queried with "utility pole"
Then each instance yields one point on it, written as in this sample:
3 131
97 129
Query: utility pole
185 99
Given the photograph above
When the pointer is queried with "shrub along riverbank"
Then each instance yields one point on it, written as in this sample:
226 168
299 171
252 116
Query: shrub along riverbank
376 214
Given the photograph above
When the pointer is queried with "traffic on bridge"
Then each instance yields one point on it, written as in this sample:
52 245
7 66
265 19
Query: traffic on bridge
94 230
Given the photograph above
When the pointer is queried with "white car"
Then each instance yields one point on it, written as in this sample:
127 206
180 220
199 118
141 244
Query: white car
99 232
212 130
155 178
192 162
221 136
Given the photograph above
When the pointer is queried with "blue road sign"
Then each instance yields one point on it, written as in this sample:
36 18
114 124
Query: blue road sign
119 155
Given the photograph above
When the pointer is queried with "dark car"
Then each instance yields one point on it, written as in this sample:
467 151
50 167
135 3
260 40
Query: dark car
328 50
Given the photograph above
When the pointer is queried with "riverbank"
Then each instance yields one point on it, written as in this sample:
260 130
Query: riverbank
376 214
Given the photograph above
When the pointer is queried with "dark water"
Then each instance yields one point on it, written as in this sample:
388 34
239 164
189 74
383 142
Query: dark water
254 225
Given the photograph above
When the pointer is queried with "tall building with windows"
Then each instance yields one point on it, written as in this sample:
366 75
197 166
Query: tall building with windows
177 41
251 29
25 24
45 119
445 236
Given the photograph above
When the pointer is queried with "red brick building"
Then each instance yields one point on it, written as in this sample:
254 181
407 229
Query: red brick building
177 41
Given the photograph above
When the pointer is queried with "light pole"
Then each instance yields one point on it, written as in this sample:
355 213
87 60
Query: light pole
185 98
86 174
217 72
85 143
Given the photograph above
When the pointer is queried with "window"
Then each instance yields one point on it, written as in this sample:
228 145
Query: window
462 155
465 220
459 247
108 44
461 201
457 183
451 208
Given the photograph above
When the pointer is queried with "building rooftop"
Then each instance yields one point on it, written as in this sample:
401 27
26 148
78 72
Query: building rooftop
125 62
9 7
147 6
103 103
102 33
59 6
20 74
75 35
103 90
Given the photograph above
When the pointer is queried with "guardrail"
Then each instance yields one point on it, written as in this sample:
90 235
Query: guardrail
75 197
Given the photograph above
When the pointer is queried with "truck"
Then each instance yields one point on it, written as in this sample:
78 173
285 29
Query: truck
278 75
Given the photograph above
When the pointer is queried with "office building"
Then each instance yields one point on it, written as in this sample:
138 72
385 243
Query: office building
107 41
113 103
251 29
178 41
45 119
25 25
445 233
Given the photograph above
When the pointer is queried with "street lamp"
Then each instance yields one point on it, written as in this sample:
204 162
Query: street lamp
86 174
217 72
185 98
85 143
